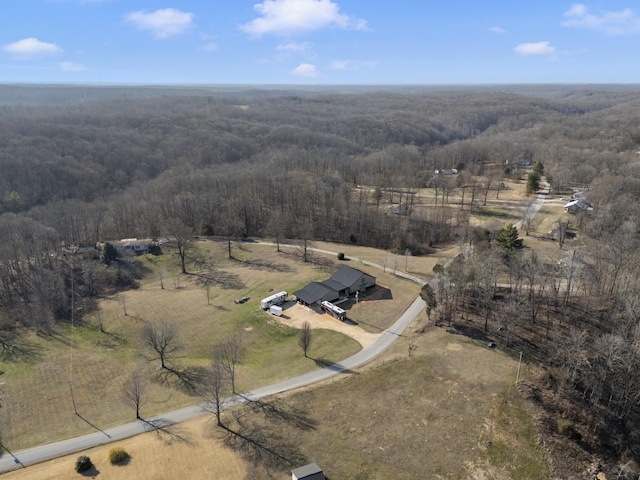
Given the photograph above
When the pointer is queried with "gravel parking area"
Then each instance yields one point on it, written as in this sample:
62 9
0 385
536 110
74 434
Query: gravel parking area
294 315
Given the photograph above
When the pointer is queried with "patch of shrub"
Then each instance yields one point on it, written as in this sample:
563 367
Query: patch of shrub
566 428
83 463
341 256
117 455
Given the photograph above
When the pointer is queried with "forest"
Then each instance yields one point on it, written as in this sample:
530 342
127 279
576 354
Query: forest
82 165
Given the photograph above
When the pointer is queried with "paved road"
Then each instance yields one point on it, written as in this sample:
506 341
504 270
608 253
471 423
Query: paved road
13 460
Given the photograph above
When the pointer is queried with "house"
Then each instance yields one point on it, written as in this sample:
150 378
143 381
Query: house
353 279
576 206
308 472
446 171
519 162
318 292
344 282
132 246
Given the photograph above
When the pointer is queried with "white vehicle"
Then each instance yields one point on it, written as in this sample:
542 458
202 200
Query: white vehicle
334 310
276 299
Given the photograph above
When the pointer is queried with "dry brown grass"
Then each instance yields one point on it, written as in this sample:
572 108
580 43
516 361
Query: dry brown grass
38 404
449 411
189 451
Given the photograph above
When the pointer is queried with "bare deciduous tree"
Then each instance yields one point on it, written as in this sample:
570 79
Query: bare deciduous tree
161 339
181 240
213 388
304 337
229 353
133 391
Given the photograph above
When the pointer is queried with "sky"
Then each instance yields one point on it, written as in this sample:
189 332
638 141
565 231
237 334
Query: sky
321 42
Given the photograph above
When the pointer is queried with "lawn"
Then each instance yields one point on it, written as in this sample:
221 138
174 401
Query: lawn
81 364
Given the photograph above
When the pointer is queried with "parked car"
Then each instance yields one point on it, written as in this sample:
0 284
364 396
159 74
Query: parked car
241 300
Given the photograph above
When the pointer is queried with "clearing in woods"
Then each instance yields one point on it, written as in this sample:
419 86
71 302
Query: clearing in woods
38 404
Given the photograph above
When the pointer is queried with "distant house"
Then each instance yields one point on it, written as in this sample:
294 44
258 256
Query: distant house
576 206
308 472
446 171
519 162
354 279
132 246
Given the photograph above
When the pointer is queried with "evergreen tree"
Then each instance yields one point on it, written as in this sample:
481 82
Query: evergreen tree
109 253
533 182
508 239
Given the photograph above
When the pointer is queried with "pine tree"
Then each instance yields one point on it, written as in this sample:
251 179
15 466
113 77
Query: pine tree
533 182
508 239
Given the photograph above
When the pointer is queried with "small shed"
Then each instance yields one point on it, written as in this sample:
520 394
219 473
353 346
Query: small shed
308 472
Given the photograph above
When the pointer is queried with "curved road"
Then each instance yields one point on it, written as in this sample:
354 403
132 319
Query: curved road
11 460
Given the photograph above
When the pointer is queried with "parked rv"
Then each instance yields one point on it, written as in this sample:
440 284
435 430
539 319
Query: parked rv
276 299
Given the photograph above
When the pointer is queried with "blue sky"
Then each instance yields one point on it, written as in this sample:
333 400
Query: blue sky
319 41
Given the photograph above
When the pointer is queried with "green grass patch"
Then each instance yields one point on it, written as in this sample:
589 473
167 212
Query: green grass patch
514 447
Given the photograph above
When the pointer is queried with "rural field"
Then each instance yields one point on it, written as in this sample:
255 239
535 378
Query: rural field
449 411
94 365
433 399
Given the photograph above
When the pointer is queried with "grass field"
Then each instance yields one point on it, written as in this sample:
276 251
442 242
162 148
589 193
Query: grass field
38 404
450 411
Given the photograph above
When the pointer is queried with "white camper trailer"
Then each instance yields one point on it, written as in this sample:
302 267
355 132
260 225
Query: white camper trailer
334 310
277 299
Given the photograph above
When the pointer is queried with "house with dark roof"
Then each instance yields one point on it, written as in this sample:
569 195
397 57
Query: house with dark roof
353 279
308 472
316 293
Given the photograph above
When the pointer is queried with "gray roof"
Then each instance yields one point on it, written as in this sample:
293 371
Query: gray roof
347 275
312 292
309 472
334 285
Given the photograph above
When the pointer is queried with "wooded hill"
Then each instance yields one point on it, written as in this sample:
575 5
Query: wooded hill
88 164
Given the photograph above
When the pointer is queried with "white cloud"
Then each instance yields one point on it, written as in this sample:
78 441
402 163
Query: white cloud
31 47
351 65
209 47
284 17
306 70
538 48
623 22
163 23
497 29
294 47
71 67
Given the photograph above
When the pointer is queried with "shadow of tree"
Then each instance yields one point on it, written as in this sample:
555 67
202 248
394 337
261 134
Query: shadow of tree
268 266
277 411
167 432
185 379
324 363
14 347
263 447
222 279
